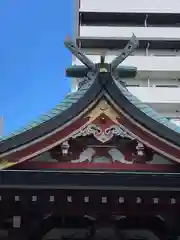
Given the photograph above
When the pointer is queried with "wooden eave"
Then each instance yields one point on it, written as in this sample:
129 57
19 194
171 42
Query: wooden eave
67 179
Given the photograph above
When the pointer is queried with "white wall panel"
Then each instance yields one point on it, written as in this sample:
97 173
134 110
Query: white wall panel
168 33
156 95
141 6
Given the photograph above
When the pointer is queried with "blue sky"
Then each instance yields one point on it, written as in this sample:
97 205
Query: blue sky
32 58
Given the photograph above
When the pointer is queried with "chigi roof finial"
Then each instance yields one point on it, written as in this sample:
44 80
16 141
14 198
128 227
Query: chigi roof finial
129 48
81 71
78 53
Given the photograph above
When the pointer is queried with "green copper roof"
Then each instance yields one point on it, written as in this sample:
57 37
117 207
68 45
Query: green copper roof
74 97
146 109
70 99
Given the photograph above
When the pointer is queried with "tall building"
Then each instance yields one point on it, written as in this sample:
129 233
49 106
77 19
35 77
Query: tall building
105 26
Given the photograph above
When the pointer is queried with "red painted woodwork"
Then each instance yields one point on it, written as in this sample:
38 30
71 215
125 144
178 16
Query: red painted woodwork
147 137
102 166
123 120
20 153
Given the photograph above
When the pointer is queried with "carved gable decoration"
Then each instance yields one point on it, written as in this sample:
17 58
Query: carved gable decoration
102 134
103 124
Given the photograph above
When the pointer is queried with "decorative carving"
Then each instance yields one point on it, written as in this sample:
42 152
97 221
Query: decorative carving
65 148
140 149
102 141
140 155
102 135
89 149
103 108
118 131
117 156
96 155
86 155
78 150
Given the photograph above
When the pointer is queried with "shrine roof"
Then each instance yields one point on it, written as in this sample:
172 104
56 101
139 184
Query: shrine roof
89 88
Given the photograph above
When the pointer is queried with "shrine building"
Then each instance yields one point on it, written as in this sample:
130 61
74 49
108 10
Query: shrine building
101 164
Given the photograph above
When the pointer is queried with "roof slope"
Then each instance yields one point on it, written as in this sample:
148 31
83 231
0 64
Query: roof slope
142 113
69 108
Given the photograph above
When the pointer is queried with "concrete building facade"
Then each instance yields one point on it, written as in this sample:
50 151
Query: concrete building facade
105 27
